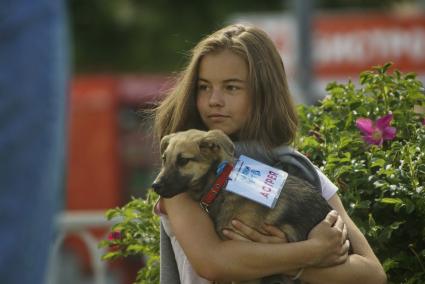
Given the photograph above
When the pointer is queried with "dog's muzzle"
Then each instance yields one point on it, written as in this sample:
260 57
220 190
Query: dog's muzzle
163 190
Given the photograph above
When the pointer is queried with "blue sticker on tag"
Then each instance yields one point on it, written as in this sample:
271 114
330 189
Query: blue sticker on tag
220 168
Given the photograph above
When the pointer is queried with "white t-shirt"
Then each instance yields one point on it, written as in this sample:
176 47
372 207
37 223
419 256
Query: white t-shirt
186 272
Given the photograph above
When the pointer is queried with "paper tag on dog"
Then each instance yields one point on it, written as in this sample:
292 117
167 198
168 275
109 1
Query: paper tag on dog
256 181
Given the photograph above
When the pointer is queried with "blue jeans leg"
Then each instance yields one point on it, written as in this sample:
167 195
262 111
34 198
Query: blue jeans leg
33 87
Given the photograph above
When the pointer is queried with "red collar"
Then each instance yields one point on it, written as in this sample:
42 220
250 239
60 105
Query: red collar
215 189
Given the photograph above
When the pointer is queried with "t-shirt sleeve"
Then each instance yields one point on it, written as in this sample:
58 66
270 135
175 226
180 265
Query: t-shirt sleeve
328 187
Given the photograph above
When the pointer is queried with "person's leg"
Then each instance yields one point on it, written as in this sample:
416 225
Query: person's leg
33 88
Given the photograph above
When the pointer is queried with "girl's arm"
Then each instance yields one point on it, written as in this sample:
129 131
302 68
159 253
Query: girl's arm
215 259
361 267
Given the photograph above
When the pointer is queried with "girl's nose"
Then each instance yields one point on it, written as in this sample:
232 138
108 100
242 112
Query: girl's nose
216 98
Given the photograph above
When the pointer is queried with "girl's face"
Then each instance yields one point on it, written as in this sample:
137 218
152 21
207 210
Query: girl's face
222 92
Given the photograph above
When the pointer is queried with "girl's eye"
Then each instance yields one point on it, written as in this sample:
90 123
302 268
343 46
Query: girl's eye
232 88
203 87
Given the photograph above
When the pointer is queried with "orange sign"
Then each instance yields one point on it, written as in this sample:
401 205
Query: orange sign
347 43
351 43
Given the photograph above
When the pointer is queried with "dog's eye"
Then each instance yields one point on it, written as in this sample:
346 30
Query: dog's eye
181 161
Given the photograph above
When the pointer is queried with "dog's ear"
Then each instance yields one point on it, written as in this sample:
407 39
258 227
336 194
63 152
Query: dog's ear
164 142
214 140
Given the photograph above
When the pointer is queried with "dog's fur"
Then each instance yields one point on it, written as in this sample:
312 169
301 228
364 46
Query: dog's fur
189 162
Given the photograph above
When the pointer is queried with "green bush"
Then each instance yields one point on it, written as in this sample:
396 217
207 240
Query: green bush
381 184
136 232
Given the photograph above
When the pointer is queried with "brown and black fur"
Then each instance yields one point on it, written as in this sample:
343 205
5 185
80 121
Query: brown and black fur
189 162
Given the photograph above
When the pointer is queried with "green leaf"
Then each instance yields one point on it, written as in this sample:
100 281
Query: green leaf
345 141
372 222
112 213
111 255
396 225
378 163
130 213
135 248
410 76
389 264
388 200
386 66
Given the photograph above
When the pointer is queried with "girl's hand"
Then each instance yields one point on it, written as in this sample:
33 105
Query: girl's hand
268 234
330 237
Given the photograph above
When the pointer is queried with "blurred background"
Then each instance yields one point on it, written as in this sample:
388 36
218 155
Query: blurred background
124 55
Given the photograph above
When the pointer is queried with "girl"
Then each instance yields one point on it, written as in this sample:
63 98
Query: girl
236 82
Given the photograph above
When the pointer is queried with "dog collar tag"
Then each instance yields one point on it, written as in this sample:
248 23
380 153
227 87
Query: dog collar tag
256 181
220 168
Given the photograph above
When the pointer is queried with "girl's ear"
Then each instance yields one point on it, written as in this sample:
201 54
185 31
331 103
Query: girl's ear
164 142
214 140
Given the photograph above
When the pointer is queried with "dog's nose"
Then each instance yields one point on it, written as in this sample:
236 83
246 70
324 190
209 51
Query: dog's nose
156 186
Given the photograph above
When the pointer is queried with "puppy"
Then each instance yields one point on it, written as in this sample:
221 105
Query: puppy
189 163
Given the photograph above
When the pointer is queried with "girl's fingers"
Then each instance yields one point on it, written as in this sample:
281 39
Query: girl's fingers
331 217
346 247
246 230
276 232
344 233
269 234
339 224
234 236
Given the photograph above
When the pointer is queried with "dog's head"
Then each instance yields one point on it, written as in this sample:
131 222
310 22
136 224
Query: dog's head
187 157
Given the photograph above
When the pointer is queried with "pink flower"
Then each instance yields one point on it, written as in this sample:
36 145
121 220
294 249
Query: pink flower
423 121
375 132
115 235
112 237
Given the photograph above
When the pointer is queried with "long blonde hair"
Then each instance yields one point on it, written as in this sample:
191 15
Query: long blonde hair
273 119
